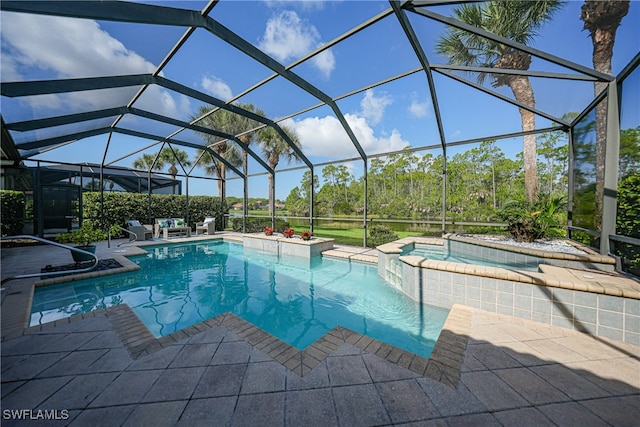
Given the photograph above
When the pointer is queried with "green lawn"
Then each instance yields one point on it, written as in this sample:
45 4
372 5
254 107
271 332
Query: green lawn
350 236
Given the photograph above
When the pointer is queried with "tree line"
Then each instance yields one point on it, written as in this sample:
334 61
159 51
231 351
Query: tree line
409 185
479 181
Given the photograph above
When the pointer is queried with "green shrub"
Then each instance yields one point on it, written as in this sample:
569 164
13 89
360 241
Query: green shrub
84 236
257 225
379 235
530 221
121 207
628 222
12 213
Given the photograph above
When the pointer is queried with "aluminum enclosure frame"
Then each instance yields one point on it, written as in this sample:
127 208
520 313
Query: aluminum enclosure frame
162 15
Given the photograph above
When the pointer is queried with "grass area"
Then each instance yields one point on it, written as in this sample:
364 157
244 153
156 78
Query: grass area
350 236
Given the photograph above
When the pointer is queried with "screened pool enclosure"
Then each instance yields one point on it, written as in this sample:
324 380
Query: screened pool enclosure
382 108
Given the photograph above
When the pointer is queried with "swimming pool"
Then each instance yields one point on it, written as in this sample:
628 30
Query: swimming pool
296 300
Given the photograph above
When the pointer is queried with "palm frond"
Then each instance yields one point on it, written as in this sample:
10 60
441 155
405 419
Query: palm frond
516 20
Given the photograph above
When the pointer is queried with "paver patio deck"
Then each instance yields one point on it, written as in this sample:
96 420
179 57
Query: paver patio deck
510 372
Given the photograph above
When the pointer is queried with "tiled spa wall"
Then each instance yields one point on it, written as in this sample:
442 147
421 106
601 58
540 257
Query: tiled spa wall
598 314
488 252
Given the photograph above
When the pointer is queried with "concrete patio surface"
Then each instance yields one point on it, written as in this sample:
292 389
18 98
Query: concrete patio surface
510 372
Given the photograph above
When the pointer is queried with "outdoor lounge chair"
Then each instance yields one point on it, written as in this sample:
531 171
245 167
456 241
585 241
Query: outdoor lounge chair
208 226
142 232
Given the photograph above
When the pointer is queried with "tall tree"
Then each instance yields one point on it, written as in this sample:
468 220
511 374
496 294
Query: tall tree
518 21
274 147
305 185
146 162
629 152
602 19
167 155
174 156
232 124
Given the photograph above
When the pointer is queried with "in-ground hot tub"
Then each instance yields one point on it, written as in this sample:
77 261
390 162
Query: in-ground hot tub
559 291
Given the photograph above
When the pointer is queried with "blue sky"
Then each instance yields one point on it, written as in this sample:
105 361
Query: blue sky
385 118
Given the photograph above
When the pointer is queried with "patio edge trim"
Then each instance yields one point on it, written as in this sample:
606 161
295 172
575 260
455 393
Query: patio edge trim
444 364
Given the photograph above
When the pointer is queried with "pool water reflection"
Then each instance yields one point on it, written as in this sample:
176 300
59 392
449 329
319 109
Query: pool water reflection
295 299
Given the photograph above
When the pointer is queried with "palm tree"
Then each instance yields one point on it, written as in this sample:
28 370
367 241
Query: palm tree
146 162
602 19
173 156
518 21
232 124
274 147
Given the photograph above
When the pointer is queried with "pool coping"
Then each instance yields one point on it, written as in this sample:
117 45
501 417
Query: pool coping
443 365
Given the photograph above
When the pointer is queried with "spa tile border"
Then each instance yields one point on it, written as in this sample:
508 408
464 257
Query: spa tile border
397 246
590 255
620 287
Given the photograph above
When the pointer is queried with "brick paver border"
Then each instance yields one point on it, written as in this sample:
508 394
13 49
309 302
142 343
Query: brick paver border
444 364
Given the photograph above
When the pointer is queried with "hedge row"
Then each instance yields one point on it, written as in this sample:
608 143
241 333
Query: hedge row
12 212
256 225
122 207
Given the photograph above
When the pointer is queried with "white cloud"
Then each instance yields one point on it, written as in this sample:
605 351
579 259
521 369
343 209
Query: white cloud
216 87
373 107
419 109
71 48
9 69
325 62
325 136
306 5
57 44
287 37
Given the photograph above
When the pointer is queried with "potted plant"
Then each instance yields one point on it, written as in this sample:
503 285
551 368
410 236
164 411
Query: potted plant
268 231
84 238
288 233
306 235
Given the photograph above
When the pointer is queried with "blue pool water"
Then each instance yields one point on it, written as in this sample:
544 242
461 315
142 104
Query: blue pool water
295 299
439 253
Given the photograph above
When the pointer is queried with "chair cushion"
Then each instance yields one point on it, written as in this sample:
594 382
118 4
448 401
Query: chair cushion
207 220
134 223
